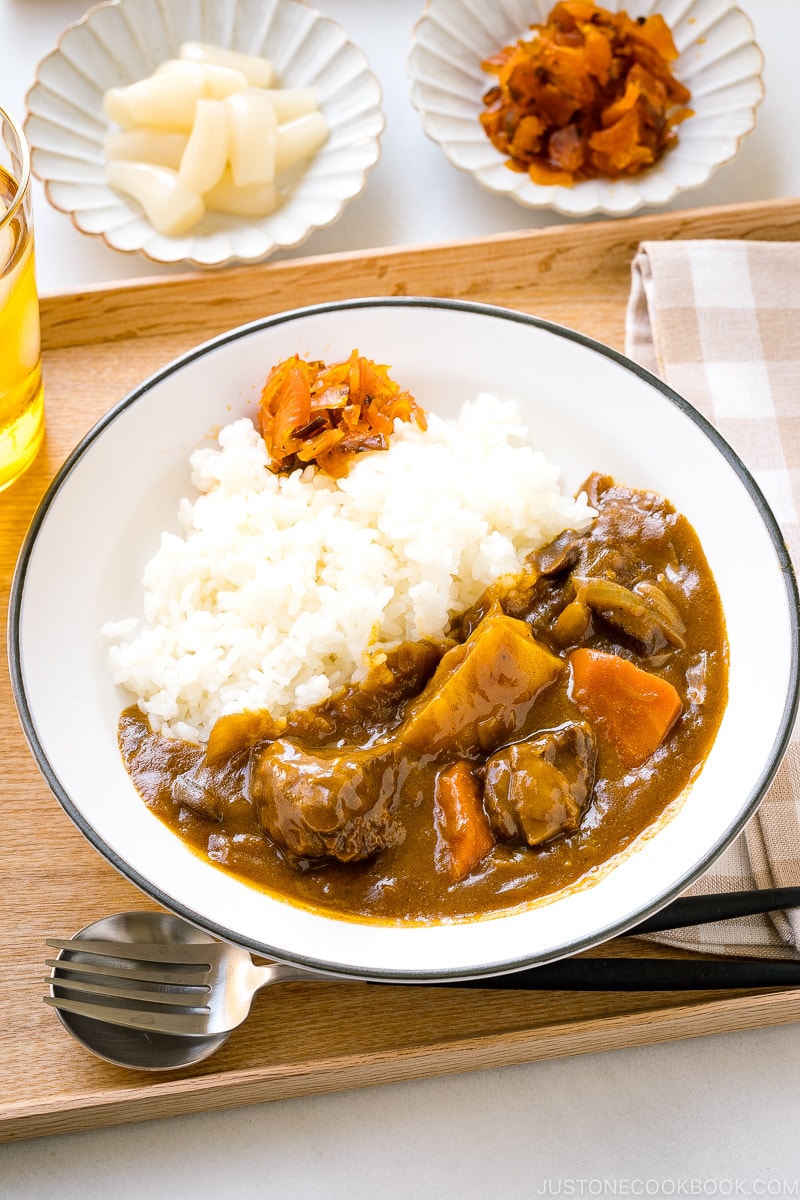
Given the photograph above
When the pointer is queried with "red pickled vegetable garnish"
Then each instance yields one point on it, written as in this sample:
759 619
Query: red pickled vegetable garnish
591 94
314 413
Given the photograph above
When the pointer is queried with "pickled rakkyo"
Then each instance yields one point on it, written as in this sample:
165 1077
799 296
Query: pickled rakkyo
21 402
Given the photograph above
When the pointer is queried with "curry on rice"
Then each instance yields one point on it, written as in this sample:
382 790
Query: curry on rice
558 719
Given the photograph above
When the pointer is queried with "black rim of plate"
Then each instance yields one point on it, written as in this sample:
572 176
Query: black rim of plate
477 971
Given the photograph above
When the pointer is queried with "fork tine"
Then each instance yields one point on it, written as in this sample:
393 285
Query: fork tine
193 976
182 999
185 954
133 1018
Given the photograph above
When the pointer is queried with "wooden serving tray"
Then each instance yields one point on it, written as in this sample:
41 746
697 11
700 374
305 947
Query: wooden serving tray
299 1038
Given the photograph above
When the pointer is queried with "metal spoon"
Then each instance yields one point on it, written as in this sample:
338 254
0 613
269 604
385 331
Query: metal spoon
136 1048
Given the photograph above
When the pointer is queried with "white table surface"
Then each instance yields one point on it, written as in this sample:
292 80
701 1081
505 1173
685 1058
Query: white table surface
713 1116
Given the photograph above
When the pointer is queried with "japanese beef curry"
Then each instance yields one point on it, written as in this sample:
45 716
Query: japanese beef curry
560 719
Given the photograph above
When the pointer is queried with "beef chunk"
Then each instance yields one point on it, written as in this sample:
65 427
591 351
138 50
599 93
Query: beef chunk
558 556
357 712
329 803
633 529
538 789
194 789
610 579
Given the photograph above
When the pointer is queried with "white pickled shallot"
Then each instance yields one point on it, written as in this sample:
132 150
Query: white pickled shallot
258 71
206 153
208 131
170 206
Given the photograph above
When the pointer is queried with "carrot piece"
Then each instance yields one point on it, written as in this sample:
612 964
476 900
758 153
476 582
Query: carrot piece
634 708
463 834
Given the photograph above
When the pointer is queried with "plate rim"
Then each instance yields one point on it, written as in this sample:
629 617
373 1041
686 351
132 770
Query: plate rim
506 966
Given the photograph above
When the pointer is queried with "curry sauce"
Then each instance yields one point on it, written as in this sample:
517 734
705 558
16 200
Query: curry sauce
481 773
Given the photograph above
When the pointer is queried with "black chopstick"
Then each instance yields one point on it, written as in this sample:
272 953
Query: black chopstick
666 974
720 906
643 975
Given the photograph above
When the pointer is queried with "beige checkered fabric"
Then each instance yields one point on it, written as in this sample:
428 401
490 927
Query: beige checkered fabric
719 321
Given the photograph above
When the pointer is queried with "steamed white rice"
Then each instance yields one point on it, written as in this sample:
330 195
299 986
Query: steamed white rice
282 589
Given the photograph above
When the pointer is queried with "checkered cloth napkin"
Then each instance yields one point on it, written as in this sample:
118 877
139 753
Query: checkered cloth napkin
719 321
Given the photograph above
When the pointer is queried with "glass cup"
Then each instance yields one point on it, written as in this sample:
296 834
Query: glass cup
21 399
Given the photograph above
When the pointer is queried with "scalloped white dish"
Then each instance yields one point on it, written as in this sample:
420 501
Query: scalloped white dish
588 408
119 42
718 61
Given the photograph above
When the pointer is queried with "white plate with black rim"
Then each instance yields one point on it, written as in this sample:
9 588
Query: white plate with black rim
589 408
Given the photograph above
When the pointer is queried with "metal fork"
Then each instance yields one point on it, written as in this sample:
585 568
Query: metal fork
195 989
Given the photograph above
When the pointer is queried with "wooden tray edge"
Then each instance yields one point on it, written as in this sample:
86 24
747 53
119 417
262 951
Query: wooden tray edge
184 1095
203 300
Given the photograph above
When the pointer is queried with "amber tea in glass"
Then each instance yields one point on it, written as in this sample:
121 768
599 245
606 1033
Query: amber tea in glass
21 400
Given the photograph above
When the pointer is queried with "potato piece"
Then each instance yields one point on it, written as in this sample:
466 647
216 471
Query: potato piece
170 206
299 139
252 136
254 200
258 71
206 154
158 146
482 691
